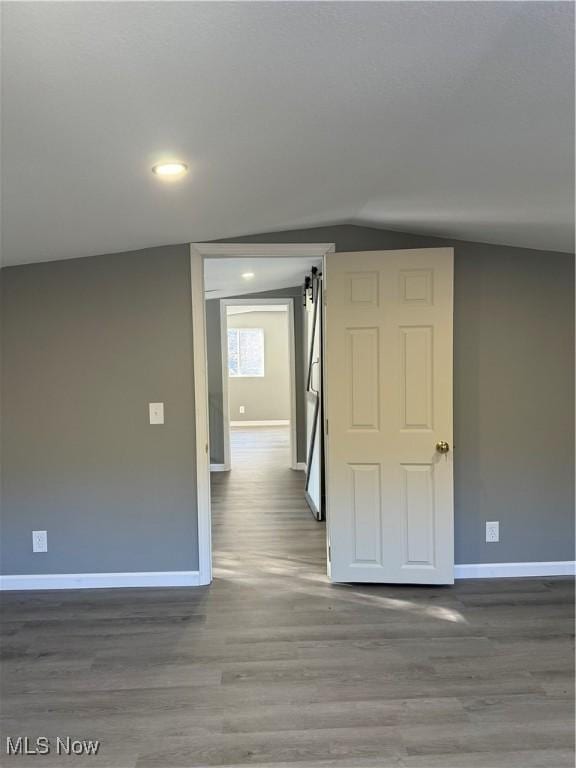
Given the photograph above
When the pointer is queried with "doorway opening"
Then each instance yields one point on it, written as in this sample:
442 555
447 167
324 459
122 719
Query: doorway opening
259 384
257 326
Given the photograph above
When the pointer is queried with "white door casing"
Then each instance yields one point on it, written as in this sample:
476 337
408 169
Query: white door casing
198 252
388 362
226 421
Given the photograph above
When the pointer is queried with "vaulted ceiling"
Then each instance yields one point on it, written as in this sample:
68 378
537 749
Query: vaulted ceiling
449 118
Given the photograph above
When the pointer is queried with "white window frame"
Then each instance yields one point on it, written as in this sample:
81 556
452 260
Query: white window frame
246 375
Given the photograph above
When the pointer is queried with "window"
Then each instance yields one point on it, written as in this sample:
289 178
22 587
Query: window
245 351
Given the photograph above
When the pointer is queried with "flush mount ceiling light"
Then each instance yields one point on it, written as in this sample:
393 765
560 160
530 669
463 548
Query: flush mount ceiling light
248 275
170 170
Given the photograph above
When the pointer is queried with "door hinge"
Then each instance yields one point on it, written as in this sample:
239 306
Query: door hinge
326 426
325 296
329 553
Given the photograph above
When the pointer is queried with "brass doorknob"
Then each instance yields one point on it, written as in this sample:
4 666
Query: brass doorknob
442 446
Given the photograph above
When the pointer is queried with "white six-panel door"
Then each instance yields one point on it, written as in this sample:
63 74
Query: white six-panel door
388 358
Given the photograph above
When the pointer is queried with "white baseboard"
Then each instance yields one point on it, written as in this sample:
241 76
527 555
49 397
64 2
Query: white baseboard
514 570
273 423
301 465
219 468
99 580
27 582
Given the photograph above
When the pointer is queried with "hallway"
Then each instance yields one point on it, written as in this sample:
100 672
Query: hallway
261 524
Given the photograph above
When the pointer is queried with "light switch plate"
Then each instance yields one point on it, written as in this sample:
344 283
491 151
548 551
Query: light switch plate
39 541
156 413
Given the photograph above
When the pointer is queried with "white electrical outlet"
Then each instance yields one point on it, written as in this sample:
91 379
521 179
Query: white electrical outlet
242 409
492 531
39 541
156 411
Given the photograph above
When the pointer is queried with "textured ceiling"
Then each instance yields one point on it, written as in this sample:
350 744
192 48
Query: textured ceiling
442 118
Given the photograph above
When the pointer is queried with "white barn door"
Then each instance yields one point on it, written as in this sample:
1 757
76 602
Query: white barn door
388 362
314 486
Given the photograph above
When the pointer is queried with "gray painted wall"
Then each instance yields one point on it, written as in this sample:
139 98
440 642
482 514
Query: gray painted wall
215 369
265 398
215 394
86 345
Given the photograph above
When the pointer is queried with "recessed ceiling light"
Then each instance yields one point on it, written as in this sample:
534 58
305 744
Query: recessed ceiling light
248 275
170 170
